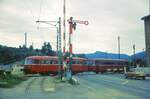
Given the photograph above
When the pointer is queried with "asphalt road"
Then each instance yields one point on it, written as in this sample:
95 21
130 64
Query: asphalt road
106 86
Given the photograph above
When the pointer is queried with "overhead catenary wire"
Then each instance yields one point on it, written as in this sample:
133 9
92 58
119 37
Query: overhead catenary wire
40 11
28 6
41 2
38 17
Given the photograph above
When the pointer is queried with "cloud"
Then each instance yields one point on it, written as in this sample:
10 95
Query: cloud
108 19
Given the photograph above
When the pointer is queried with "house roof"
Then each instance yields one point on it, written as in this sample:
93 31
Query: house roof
146 17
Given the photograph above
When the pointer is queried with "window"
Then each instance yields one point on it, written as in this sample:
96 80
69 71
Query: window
28 61
44 62
36 61
53 62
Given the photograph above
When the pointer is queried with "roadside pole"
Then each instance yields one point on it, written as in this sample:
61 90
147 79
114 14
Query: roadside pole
72 26
59 49
57 25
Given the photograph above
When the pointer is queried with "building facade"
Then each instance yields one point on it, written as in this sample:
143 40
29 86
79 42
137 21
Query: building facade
147 38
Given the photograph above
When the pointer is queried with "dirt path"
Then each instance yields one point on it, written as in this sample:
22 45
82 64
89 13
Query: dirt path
90 87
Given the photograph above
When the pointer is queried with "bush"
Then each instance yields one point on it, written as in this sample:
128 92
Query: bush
10 80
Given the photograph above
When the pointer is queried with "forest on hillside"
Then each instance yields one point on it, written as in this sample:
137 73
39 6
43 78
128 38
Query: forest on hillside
12 54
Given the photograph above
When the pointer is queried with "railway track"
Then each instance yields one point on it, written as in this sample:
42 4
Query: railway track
42 84
36 86
28 87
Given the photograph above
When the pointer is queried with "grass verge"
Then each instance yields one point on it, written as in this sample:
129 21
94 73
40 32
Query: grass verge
9 81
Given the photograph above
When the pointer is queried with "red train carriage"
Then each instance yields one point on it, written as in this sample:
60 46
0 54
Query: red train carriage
110 65
41 64
91 65
79 65
49 65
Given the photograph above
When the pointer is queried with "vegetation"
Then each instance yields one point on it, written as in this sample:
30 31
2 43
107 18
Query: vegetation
10 54
7 80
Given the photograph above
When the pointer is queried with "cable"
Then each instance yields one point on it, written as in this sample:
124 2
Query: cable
30 10
40 9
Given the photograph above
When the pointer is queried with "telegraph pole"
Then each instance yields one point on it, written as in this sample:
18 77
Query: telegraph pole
118 47
25 34
59 49
134 55
64 29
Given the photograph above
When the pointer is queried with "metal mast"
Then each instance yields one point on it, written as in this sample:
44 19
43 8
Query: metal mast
64 25
59 48
134 55
118 47
25 34
72 26
57 25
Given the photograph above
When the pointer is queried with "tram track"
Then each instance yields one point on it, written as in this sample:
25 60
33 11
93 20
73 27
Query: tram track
36 86
28 88
42 83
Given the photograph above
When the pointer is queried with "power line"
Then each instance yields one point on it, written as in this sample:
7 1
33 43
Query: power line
40 9
30 10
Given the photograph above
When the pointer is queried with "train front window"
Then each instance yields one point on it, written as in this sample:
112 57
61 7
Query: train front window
53 62
90 63
36 62
45 62
29 61
76 62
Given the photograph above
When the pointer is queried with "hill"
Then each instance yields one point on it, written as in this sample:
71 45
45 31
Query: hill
99 54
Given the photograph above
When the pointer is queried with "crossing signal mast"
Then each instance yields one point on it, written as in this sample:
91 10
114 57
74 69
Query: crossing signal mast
72 26
57 25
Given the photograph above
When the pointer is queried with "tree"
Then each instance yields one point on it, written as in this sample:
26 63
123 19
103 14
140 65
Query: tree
31 48
47 49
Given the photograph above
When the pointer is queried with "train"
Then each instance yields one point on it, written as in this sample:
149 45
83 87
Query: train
49 65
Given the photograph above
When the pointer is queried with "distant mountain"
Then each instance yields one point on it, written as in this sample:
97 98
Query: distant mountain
99 54
140 55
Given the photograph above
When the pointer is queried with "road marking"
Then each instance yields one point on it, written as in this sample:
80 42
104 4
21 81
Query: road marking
49 85
50 89
125 82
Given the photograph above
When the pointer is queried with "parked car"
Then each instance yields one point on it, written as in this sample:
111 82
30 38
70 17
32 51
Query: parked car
135 74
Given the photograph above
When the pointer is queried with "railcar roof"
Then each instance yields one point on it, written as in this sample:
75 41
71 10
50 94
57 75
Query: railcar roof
41 57
109 59
50 57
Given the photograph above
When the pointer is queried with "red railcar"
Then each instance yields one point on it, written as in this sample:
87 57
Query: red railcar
49 65
79 65
110 65
41 64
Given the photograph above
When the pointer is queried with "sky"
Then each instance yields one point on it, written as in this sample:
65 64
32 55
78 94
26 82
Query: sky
108 19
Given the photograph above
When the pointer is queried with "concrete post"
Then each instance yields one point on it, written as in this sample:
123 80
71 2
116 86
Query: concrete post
147 38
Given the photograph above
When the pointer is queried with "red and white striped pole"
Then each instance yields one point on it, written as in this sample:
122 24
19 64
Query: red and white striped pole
71 25
70 35
64 38
64 25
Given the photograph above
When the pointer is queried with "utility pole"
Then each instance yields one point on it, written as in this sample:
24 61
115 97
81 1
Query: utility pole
25 34
64 29
118 47
134 55
59 49
72 26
